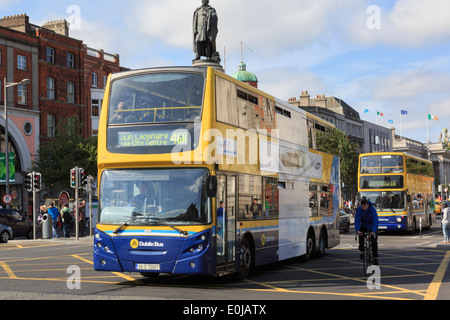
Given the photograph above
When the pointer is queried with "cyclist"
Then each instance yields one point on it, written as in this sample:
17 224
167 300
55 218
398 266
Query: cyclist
366 220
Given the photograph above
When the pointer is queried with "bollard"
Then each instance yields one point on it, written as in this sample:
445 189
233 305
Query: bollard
47 229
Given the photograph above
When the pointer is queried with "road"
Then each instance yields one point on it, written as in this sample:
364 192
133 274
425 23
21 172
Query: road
412 267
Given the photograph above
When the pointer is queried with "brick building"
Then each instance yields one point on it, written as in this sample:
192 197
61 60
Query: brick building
61 87
67 79
97 66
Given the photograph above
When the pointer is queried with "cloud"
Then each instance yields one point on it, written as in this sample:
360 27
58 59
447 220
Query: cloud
409 23
411 83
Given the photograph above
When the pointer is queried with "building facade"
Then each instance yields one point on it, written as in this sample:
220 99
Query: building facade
97 66
19 60
66 79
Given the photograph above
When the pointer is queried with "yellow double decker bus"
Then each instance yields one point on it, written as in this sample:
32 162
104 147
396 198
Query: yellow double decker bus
401 187
200 173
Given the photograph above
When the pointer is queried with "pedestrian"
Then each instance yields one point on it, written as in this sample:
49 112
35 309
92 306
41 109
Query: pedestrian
81 216
66 218
41 212
54 212
446 223
366 220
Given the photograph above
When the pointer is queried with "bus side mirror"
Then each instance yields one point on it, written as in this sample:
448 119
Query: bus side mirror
408 198
211 186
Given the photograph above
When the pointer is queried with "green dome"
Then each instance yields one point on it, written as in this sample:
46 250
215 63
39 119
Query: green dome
244 75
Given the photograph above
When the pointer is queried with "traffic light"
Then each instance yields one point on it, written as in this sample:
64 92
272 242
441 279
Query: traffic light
29 181
37 181
83 178
74 178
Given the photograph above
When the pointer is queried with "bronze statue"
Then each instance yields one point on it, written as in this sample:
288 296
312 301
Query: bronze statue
205 31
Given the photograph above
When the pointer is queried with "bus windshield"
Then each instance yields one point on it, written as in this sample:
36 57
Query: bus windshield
386 200
154 197
156 98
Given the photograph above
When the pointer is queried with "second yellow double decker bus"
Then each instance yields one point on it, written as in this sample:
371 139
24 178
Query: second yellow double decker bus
200 173
401 187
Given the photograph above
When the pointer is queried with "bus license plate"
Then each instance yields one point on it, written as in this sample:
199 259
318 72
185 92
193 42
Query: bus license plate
153 267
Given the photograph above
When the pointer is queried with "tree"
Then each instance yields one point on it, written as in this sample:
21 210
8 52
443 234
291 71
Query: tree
67 150
337 143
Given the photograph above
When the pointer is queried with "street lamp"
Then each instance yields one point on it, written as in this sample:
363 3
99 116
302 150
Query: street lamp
8 85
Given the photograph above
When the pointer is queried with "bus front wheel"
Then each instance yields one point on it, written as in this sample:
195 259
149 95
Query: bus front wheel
310 245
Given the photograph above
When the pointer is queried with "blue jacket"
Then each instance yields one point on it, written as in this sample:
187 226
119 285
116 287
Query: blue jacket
54 212
367 218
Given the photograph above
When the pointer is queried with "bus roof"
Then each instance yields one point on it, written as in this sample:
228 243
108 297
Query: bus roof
395 153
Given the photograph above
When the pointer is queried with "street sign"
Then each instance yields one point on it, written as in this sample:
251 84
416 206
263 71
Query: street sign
7 199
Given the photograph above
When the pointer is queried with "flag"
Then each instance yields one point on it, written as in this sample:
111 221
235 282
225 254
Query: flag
404 111
390 121
366 110
380 114
431 117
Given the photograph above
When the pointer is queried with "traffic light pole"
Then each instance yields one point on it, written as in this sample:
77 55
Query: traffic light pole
34 184
77 223
34 215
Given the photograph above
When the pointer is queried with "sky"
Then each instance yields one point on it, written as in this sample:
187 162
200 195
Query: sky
377 55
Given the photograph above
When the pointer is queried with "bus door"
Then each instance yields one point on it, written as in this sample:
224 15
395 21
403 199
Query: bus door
226 223
409 212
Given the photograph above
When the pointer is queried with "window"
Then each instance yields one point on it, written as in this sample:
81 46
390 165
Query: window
51 126
70 92
258 197
70 60
95 104
22 94
320 201
94 79
105 80
22 62
50 55
50 88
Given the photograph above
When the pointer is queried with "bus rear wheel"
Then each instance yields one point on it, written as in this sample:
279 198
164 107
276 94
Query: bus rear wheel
246 259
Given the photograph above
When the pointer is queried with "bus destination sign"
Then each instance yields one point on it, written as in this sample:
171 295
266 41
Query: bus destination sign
155 138
382 182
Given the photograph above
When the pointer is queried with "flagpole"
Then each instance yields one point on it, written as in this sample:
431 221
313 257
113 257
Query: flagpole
401 136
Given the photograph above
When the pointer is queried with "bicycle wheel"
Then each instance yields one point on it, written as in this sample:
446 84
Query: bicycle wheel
368 259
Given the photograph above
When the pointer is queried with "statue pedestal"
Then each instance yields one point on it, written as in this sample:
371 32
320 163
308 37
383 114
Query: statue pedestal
208 63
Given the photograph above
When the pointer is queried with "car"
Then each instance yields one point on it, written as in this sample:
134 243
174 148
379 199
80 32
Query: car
19 223
344 221
6 233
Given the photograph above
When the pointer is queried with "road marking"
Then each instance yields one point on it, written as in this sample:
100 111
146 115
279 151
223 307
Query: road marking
8 270
433 288
124 276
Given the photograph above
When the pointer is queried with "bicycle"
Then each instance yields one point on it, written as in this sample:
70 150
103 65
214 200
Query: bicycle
368 258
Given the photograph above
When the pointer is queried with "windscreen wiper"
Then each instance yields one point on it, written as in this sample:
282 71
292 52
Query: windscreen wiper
184 233
123 225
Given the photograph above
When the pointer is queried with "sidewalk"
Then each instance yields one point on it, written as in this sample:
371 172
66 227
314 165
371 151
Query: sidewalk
443 246
61 240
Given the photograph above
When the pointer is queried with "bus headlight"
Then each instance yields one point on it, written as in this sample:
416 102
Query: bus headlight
196 244
399 219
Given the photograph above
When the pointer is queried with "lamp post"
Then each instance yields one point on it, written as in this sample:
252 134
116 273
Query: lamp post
8 85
